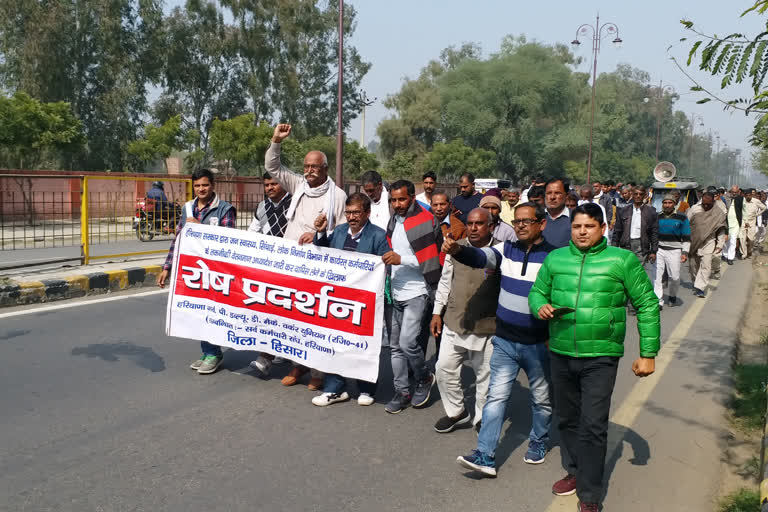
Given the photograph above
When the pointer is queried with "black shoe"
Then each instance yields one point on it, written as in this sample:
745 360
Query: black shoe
661 308
398 403
730 262
699 293
672 301
423 390
448 424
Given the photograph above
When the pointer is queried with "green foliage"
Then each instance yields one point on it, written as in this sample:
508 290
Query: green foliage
241 142
97 56
735 58
749 402
210 59
243 145
452 160
743 500
161 141
288 49
34 133
524 112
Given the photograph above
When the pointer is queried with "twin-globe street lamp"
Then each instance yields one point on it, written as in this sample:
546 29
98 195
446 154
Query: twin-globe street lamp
611 29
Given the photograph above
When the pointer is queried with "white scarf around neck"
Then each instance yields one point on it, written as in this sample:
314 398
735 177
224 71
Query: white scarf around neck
328 188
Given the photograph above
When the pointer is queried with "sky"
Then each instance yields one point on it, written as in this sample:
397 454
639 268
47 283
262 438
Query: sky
400 36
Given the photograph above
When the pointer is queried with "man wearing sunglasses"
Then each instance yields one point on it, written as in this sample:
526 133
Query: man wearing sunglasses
520 336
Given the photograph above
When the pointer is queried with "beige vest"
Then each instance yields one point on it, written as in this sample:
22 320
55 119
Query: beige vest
473 300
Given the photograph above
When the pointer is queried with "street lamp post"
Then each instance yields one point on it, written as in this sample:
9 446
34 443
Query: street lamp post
340 126
597 37
662 90
366 103
694 118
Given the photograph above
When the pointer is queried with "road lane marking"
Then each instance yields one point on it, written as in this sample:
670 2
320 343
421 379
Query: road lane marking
82 303
629 409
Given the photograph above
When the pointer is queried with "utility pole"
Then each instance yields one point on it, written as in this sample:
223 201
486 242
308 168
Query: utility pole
366 103
340 124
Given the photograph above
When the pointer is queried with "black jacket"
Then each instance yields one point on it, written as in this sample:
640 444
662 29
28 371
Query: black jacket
649 228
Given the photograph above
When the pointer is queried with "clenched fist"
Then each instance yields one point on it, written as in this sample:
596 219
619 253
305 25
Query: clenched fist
282 131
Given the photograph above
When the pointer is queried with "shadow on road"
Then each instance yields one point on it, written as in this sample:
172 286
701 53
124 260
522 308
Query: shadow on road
144 357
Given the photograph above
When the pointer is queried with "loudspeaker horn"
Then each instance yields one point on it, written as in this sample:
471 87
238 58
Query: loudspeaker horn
664 171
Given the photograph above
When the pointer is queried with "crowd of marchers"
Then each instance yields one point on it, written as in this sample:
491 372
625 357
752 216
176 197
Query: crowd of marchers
540 280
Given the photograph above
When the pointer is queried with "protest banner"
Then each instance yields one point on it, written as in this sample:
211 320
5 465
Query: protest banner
322 308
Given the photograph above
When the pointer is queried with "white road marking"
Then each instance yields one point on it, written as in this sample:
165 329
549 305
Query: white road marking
627 412
82 303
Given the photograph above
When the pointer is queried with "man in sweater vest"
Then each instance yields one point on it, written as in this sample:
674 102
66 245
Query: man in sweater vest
206 208
465 315
520 337
414 265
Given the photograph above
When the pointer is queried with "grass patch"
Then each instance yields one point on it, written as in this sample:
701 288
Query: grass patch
743 500
748 405
764 338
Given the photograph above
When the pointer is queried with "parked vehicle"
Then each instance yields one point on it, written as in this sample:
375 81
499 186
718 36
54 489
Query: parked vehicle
155 219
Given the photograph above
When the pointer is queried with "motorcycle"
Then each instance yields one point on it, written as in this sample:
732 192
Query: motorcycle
151 220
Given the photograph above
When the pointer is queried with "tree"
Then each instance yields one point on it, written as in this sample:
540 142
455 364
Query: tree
288 49
735 58
201 72
161 141
450 161
241 142
97 56
34 133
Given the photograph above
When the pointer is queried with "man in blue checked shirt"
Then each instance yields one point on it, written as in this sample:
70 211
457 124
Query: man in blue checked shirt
520 336
205 208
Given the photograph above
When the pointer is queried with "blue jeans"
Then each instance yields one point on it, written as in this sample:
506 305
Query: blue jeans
408 340
337 384
209 349
507 360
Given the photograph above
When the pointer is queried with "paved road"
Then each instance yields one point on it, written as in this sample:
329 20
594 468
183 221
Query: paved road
101 413
23 256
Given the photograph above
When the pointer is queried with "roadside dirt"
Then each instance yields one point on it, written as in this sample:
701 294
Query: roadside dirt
741 466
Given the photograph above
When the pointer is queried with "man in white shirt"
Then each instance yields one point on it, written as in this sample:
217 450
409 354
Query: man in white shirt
428 181
373 187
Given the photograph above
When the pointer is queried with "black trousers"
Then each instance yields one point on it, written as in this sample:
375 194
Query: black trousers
582 390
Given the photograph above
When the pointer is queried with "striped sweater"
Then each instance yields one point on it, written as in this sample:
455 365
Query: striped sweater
674 232
514 321
425 237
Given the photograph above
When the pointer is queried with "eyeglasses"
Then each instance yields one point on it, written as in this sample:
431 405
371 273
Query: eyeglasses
355 213
524 222
313 167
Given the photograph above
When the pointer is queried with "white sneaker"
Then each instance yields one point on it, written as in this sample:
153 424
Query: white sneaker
261 365
365 399
329 398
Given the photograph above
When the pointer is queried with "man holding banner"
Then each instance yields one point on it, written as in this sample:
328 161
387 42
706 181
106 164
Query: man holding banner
313 193
358 235
206 208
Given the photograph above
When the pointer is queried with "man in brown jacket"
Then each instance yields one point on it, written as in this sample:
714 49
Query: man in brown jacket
449 222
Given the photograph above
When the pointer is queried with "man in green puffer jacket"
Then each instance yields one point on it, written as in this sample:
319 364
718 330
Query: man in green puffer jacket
586 343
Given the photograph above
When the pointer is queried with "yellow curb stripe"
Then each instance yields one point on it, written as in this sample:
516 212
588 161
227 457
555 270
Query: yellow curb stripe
120 277
31 289
78 282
